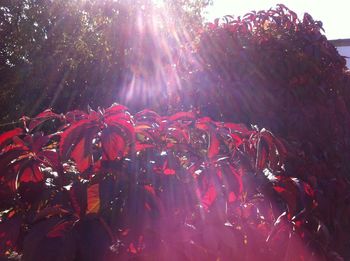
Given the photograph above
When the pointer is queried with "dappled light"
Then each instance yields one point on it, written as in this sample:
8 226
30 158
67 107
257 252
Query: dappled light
158 44
98 52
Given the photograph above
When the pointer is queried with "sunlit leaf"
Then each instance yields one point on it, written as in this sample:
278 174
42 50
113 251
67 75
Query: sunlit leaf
93 199
41 118
7 136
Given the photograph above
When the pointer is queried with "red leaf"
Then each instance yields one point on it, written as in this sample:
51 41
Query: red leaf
270 151
93 199
169 172
308 189
183 116
113 144
279 189
206 124
81 155
12 154
241 128
37 142
237 139
77 143
49 158
209 197
18 142
78 198
116 109
289 191
42 117
123 123
31 173
60 229
7 136
178 134
214 146
150 189
232 197
50 212
261 156
72 135
145 133
147 115
132 248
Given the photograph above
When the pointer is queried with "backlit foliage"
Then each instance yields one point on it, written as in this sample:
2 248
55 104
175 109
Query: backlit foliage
106 184
179 180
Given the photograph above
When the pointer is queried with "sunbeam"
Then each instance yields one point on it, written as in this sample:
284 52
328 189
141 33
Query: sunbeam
158 44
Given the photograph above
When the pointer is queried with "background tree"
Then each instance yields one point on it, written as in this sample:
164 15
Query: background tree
70 54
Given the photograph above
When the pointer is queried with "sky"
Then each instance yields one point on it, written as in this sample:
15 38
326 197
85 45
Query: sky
334 14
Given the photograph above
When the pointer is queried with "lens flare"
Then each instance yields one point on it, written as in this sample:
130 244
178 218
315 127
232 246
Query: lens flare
158 43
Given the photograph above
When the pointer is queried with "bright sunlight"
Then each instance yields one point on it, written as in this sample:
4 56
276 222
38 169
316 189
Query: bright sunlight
334 14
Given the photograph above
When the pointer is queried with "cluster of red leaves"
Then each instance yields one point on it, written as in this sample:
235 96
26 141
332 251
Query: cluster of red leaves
275 70
105 184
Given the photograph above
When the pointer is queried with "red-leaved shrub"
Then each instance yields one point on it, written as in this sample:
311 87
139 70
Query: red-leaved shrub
106 185
275 70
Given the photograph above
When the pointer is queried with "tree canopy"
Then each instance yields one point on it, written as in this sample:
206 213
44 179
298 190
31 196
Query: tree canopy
72 54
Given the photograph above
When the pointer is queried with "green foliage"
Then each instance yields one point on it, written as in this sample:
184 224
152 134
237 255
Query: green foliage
68 54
